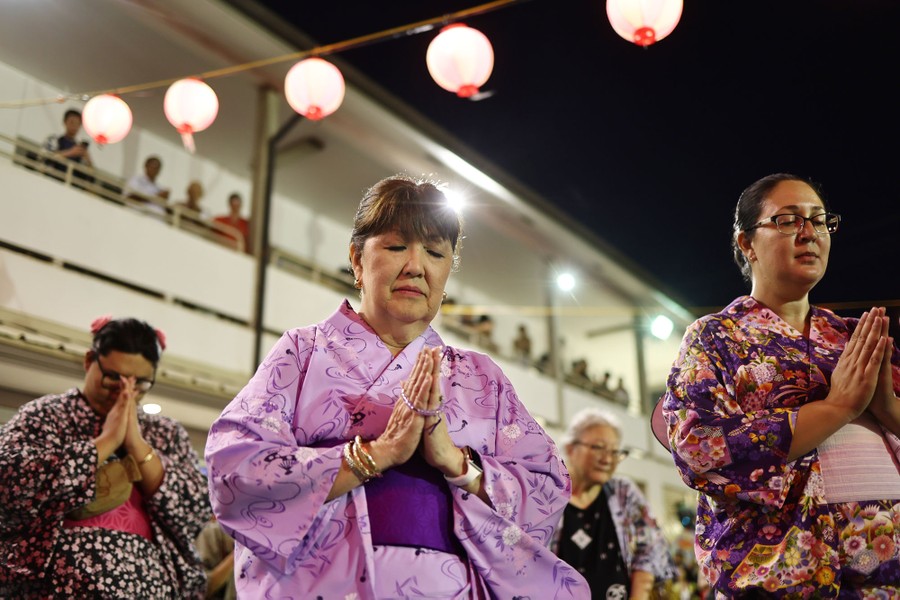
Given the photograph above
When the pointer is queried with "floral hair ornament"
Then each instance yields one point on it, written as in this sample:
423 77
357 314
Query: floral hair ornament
99 323
161 337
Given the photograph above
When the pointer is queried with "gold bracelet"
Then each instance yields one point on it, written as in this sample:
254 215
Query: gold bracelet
147 458
354 466
363 456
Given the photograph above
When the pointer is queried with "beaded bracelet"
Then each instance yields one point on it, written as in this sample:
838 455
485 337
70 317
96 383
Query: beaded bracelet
425 412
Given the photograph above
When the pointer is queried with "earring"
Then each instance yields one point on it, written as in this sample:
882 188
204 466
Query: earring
444 297
357 283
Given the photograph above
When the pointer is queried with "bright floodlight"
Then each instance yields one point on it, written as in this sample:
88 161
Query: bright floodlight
454 199
151 409
565 282
661 327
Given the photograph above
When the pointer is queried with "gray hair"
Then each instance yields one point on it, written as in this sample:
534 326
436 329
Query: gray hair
587 418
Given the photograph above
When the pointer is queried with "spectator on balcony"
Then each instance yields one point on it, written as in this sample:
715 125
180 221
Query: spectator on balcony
69 146
235 220
579 376
143 187
98 499
620 394
366 459
522 346
191 207
608 532
602 386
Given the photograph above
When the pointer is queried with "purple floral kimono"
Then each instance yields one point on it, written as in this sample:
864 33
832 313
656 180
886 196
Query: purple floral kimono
275 451
811 528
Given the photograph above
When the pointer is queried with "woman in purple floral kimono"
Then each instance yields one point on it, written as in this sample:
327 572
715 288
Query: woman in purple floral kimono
785 418
366 459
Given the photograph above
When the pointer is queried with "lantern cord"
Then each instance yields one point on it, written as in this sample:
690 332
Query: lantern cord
357 42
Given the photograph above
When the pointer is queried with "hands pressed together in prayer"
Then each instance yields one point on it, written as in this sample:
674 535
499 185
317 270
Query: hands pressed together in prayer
421 427
121 429
862 380
417 424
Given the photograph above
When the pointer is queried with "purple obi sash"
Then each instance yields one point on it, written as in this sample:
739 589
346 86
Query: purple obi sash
410 505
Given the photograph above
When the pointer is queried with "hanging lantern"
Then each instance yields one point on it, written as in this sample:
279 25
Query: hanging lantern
106 118
644 22
191 106
460 59
314 88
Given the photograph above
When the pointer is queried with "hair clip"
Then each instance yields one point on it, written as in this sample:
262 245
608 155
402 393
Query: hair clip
161 337
99 323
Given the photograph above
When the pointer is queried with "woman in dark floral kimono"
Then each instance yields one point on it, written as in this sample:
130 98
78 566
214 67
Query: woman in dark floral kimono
97 499
784 416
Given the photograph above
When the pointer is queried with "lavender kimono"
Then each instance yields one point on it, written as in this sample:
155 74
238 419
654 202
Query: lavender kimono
275 451
808 528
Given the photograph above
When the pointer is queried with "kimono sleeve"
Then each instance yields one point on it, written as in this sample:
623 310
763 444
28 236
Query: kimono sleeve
648 547
720 449
43 473
525 478
268 491
528 486
181 504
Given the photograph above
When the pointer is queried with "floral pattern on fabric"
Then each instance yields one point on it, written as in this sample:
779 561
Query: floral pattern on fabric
763 523
275 451
48 463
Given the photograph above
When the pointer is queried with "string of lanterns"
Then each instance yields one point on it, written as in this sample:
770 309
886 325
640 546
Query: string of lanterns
460 59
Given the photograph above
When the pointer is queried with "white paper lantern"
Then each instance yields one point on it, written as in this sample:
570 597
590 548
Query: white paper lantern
106 118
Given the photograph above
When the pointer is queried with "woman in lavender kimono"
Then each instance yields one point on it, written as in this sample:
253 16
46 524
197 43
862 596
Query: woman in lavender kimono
366 459
785 418
97 499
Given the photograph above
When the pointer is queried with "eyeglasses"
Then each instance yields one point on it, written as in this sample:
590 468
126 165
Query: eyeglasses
791 224
112 380
614 453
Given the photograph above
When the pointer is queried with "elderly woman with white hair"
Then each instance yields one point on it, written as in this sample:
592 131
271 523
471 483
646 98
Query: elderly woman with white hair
607 531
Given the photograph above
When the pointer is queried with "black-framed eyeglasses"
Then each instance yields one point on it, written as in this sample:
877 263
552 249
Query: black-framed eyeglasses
112 380
615 453
792 224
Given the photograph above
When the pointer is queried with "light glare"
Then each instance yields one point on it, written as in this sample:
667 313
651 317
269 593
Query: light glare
455 200
152 409
565 282
661 327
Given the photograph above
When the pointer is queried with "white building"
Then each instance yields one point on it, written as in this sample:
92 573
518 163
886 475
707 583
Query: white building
68 255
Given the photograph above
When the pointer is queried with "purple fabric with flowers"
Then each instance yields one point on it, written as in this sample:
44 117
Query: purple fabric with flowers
763 523
275 451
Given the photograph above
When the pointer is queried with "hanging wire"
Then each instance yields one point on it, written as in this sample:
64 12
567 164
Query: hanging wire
357 42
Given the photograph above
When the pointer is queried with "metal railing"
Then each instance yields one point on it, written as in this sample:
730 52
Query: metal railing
33 157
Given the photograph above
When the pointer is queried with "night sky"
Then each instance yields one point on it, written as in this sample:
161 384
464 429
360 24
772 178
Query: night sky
650 148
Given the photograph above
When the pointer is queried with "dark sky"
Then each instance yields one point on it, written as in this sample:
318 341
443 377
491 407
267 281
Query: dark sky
650 148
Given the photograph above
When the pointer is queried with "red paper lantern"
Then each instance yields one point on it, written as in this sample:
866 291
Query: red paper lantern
460 59
191 106
314 88
106 118
644 22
